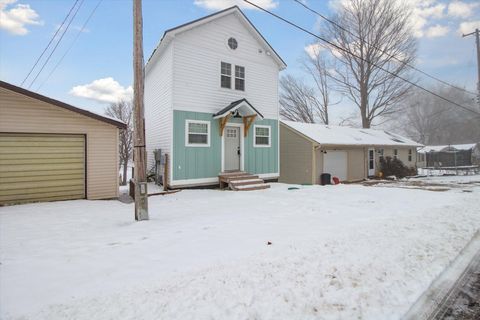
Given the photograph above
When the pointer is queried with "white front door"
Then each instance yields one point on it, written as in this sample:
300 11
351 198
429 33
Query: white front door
232 148
371 162
335 163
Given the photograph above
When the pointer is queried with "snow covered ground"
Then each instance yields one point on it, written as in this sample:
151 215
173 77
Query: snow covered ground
337 252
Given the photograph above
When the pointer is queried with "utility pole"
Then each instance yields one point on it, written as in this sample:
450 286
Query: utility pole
477 40
140 179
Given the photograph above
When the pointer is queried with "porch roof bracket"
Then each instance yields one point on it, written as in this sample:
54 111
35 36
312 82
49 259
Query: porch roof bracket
247 123
223 121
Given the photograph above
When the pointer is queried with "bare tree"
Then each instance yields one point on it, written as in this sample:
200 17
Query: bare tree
433 121
301 102
376 32
123 111
316 66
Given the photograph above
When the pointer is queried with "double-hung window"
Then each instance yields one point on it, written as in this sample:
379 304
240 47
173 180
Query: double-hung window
239 78
395 153
262 136
197 133
226 75
410 154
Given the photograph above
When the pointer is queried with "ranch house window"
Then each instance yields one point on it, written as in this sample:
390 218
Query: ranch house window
197 133
239 78
380 153
262 136
409 154
395 153
226 75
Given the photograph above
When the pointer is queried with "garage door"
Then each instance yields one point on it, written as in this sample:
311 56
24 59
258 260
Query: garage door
335 163
41 167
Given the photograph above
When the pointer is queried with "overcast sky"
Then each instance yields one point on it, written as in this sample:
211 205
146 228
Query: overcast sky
98 68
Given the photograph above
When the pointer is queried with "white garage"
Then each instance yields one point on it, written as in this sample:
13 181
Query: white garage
335 163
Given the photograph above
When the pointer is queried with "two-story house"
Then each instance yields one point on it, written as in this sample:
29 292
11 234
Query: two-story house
211 100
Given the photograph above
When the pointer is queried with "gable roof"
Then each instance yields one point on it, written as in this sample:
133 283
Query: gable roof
63 105
236 105
169 34
338 135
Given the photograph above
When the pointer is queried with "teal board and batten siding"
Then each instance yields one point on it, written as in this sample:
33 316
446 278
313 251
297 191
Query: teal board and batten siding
206 162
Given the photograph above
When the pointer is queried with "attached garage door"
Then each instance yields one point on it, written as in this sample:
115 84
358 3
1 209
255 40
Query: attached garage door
335 163
41 167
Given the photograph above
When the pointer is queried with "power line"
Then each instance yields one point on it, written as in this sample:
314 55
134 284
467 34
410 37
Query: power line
385 52
56 45
49 43
71 45
363 59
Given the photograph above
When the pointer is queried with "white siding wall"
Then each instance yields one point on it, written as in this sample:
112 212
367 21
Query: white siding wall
197 56
158 104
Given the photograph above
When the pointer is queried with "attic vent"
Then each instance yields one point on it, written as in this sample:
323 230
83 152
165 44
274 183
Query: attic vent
232 43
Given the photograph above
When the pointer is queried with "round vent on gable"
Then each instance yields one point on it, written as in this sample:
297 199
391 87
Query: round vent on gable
232 43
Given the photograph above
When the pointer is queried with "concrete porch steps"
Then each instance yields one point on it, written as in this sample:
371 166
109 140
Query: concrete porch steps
241 181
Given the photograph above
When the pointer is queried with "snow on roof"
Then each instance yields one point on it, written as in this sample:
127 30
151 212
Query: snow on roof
445 147
339 135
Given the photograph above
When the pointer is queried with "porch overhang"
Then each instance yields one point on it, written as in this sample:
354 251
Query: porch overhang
240 108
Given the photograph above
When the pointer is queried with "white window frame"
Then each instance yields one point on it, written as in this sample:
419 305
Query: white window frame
235 78
227 75
395 153
255 136
198 145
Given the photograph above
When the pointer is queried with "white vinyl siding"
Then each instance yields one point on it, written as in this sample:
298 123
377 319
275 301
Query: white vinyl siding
158 105
197 59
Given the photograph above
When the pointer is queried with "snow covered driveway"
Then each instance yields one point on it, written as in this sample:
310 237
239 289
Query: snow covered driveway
338 252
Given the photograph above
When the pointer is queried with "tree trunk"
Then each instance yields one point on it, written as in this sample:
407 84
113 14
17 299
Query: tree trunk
125 169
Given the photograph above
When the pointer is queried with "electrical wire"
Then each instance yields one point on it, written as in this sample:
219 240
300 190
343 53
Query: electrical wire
388 54
56 45
363 59
71 45
49 43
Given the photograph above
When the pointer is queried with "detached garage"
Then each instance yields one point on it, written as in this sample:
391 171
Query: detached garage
307 150
50 150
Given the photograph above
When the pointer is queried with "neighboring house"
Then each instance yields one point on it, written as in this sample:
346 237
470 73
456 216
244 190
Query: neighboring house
454 155
211 100
50 150
308 150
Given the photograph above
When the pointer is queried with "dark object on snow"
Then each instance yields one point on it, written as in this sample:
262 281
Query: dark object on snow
293 188
336 180
269 243
325 178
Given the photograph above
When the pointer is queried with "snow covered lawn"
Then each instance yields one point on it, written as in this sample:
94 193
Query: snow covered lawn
338 252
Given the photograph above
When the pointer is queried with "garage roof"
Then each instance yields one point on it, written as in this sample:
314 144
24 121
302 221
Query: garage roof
339 135
63 105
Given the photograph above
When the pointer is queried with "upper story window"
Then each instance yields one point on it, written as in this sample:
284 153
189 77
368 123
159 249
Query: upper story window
226 75
232 43
197 133
261 136
239 78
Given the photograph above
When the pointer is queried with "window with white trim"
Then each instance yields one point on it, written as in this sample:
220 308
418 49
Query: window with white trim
395 153
240 78
261 136
226 75
410 154
197 133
